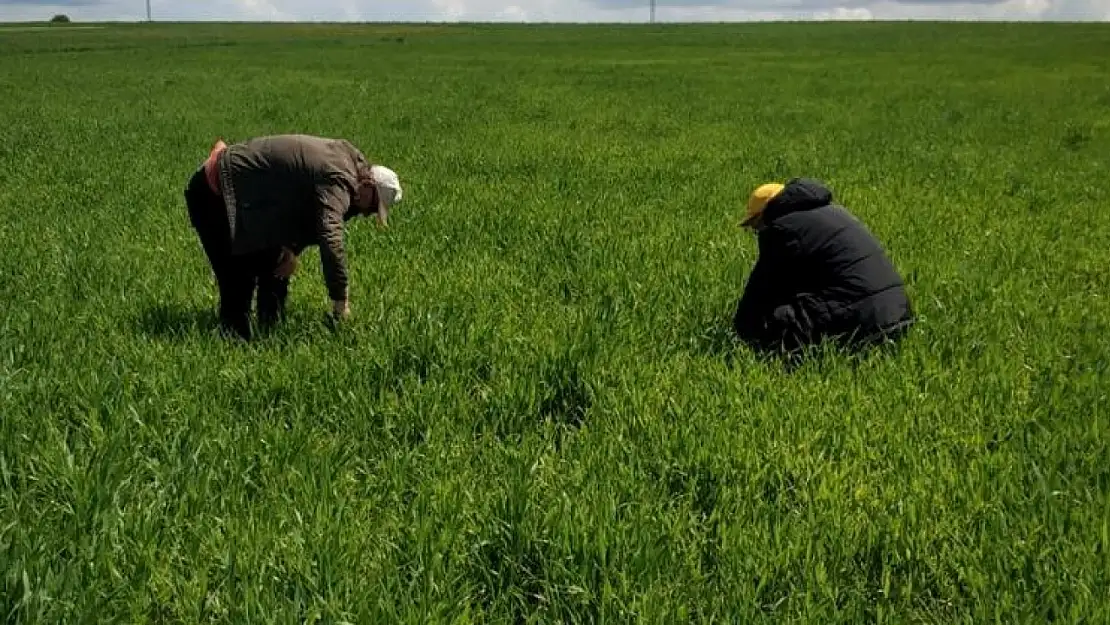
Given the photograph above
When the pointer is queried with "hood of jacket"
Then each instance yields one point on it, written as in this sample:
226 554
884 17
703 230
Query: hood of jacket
798 194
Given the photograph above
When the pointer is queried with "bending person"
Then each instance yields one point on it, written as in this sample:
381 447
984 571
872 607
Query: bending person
820 275
258 204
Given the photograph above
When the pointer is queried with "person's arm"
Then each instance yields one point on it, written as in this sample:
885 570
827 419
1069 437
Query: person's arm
763 291
332 201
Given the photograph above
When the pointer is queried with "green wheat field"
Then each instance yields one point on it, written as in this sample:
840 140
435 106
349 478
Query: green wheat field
536 413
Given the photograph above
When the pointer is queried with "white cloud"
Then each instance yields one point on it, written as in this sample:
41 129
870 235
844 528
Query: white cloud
843 13
512 13
263 10
450 10
557 10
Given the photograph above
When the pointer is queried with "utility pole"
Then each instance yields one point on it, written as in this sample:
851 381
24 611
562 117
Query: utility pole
652 11
148 11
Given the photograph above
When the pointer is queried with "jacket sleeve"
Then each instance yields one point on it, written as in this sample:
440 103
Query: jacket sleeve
764 290
331 204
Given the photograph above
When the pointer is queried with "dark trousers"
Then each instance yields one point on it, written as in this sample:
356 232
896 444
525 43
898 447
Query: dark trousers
237 276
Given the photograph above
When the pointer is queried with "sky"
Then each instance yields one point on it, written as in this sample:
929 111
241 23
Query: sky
555 10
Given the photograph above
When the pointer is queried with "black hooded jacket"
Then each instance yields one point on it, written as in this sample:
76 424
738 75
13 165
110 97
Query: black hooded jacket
820 274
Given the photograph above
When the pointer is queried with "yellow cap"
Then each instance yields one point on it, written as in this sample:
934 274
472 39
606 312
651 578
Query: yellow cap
759 198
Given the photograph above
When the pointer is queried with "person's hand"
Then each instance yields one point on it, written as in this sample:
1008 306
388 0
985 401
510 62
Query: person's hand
287 264
340 309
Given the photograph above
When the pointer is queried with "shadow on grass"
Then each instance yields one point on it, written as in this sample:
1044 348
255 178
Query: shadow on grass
169 322
175 323
718 340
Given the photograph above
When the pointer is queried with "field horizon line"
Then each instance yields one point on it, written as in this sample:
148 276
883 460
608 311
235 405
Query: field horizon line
73 24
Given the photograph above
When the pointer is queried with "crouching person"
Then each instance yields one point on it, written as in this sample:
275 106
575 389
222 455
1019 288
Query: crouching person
820 275
258 204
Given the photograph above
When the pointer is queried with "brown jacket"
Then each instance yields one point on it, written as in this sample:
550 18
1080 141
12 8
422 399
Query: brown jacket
292 191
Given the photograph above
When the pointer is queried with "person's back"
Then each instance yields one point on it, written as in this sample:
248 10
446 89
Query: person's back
273 182
820 274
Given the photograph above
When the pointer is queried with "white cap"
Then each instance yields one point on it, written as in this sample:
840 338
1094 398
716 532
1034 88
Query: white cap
389 189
